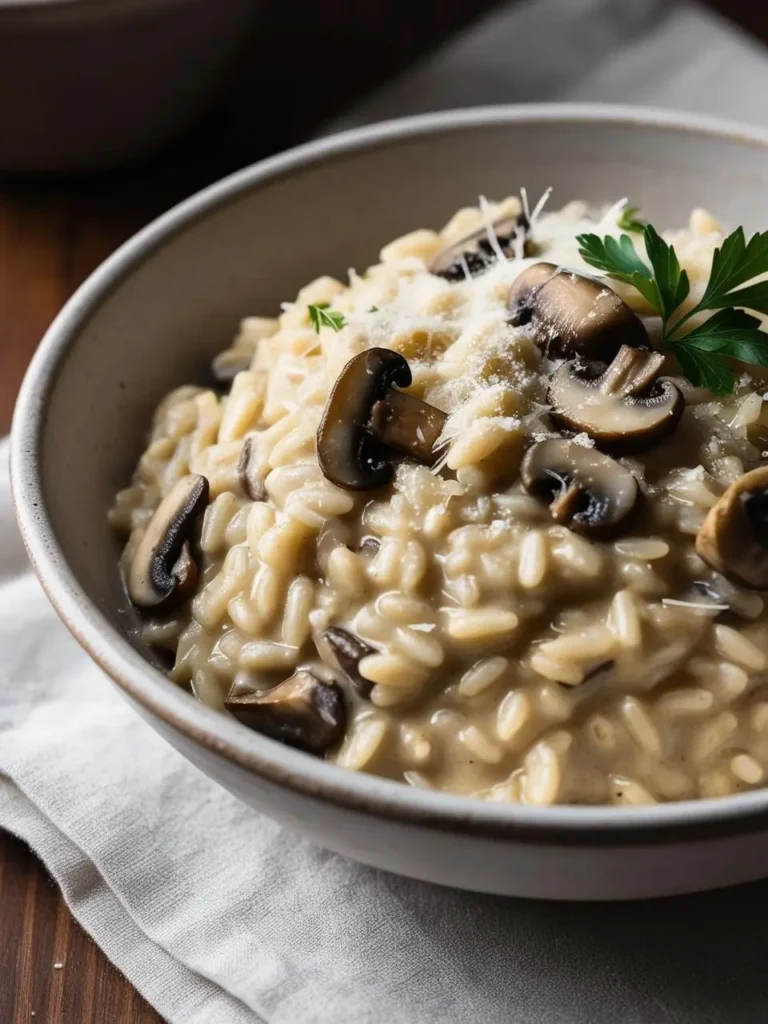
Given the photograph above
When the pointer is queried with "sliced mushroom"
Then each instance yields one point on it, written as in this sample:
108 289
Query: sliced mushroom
366 420
369 545
164 571
734 537
350 650
251 480
736 600
302 711
475 252
624 408
573 315
600 669
587 491
521 300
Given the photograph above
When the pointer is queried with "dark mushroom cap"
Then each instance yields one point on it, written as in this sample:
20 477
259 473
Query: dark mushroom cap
475 250
737 601
522 294
350 650
624 408
573 315
409 426
587 491
348 453
369 545
302 711
366 421
733 539
163 571
251 480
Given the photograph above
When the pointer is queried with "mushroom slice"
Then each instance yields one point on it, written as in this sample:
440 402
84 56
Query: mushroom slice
302 711
408 425
744 603
369 545
250 478
573 315
164 571
350 650
522 295
475 252
623 409
733 539
587 491
365 420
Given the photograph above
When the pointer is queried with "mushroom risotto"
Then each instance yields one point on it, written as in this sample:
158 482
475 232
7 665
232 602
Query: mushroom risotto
491 517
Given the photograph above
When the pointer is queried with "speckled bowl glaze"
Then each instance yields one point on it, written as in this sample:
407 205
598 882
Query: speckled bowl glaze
158 309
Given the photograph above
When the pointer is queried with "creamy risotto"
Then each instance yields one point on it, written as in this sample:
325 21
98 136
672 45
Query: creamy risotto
458 522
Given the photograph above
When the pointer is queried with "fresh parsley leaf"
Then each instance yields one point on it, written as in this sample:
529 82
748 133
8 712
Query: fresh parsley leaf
731 332
671 282
617 258
614 256
705 353
321 315
629 221
708 369
734 263
724 329
754 296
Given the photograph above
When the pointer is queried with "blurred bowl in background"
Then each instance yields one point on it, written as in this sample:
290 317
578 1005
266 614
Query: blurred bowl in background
88 84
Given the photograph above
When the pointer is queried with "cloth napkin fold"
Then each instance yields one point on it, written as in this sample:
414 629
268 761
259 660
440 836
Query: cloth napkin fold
653 52
218 915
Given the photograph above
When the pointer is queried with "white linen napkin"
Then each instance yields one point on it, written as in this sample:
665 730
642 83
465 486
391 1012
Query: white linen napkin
648 52
218 915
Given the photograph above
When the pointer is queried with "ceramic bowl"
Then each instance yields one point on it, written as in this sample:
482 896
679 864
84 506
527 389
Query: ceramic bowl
152 316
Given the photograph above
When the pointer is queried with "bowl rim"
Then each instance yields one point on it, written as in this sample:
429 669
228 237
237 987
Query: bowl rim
224 737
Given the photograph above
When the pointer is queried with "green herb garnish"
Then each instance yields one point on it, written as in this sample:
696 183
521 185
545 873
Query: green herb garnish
704 352
374 309
321 315
629 221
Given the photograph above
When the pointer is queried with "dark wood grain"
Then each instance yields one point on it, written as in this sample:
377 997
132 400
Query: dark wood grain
37 932
53 232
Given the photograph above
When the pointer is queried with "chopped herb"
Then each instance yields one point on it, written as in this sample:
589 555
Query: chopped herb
737 262
374 309
672 283
629 221
704 353
321 315
617 258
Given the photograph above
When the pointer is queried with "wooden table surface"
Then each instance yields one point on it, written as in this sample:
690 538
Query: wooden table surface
53 232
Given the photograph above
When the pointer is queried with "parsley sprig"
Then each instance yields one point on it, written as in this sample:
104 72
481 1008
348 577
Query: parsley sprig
321 315
629 221
703 353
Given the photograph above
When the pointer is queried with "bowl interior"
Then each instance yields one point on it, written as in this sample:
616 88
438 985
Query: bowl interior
153 316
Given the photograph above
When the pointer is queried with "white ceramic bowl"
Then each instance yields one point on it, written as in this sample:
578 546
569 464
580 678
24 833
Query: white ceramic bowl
158 309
